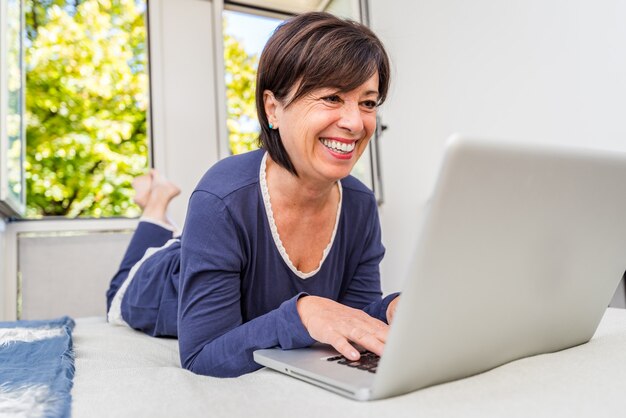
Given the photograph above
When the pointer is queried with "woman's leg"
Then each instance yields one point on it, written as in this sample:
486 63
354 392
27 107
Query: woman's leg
146 235
153 194
150 301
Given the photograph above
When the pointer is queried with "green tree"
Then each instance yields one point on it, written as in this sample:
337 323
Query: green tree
86 106
87 101
240 71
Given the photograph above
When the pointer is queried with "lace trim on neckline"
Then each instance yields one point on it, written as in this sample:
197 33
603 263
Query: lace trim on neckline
270 218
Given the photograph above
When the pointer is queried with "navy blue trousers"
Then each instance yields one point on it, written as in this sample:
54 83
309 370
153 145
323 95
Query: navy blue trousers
150 303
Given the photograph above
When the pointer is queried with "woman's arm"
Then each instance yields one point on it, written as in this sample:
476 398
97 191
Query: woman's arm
213 339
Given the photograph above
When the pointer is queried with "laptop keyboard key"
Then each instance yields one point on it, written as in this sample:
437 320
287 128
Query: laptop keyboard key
368 361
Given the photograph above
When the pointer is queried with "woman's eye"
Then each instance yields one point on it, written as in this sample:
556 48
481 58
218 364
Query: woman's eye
370 104
332 99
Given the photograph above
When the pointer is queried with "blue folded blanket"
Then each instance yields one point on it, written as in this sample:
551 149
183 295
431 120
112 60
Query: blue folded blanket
36 368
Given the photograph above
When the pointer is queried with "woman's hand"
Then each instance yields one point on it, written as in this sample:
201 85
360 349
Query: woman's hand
391 309
333 323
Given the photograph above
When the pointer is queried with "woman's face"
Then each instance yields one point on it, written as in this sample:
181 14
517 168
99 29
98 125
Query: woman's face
326 131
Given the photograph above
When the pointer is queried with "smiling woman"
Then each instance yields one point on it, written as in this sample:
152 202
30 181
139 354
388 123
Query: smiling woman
322 66
246 30
281 246
336 128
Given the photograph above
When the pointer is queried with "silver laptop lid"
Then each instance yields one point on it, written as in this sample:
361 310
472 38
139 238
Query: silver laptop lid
520 252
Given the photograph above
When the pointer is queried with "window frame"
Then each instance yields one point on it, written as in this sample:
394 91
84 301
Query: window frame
10 209
9 205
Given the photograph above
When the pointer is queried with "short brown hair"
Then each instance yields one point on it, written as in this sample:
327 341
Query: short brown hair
316 50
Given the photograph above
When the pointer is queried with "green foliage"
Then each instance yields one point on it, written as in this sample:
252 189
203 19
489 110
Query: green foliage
240 69
87 103
86 106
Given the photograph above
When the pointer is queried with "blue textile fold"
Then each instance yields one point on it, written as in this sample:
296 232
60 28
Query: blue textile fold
36 368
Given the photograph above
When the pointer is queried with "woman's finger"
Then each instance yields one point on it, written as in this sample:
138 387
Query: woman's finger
372 326
368 340
341 344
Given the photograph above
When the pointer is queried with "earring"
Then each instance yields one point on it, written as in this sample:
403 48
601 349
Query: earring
271 126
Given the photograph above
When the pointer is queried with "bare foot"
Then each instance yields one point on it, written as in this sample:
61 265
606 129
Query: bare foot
162 191
142 186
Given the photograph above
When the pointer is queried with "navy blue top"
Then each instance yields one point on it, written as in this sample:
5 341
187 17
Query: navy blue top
237 294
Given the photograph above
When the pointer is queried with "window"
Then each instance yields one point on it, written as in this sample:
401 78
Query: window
245 35
87 102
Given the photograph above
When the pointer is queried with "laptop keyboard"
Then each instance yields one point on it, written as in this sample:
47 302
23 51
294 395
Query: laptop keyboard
368 361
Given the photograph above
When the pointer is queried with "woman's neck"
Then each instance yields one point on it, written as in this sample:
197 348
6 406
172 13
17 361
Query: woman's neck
287 190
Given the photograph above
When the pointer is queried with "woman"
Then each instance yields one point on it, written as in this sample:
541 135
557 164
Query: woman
281 247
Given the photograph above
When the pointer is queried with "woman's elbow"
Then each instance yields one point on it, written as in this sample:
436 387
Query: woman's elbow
217 368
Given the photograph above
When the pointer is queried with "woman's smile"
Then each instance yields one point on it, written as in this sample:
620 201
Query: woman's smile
340 148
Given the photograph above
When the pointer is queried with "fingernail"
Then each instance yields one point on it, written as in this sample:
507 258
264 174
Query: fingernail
354 354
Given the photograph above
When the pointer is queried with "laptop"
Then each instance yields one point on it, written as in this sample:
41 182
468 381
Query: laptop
519 253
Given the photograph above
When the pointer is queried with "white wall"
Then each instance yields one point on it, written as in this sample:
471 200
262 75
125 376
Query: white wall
547 70
60 277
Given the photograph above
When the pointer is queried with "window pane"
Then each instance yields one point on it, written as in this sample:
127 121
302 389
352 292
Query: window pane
245 36
86 106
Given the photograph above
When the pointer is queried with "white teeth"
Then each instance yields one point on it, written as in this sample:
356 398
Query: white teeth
337 146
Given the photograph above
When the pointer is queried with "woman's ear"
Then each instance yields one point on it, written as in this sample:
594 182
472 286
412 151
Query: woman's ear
271 105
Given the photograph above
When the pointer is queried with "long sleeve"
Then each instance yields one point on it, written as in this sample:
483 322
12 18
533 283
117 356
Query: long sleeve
213 339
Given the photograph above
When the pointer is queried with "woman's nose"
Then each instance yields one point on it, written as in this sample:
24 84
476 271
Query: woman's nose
351 118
